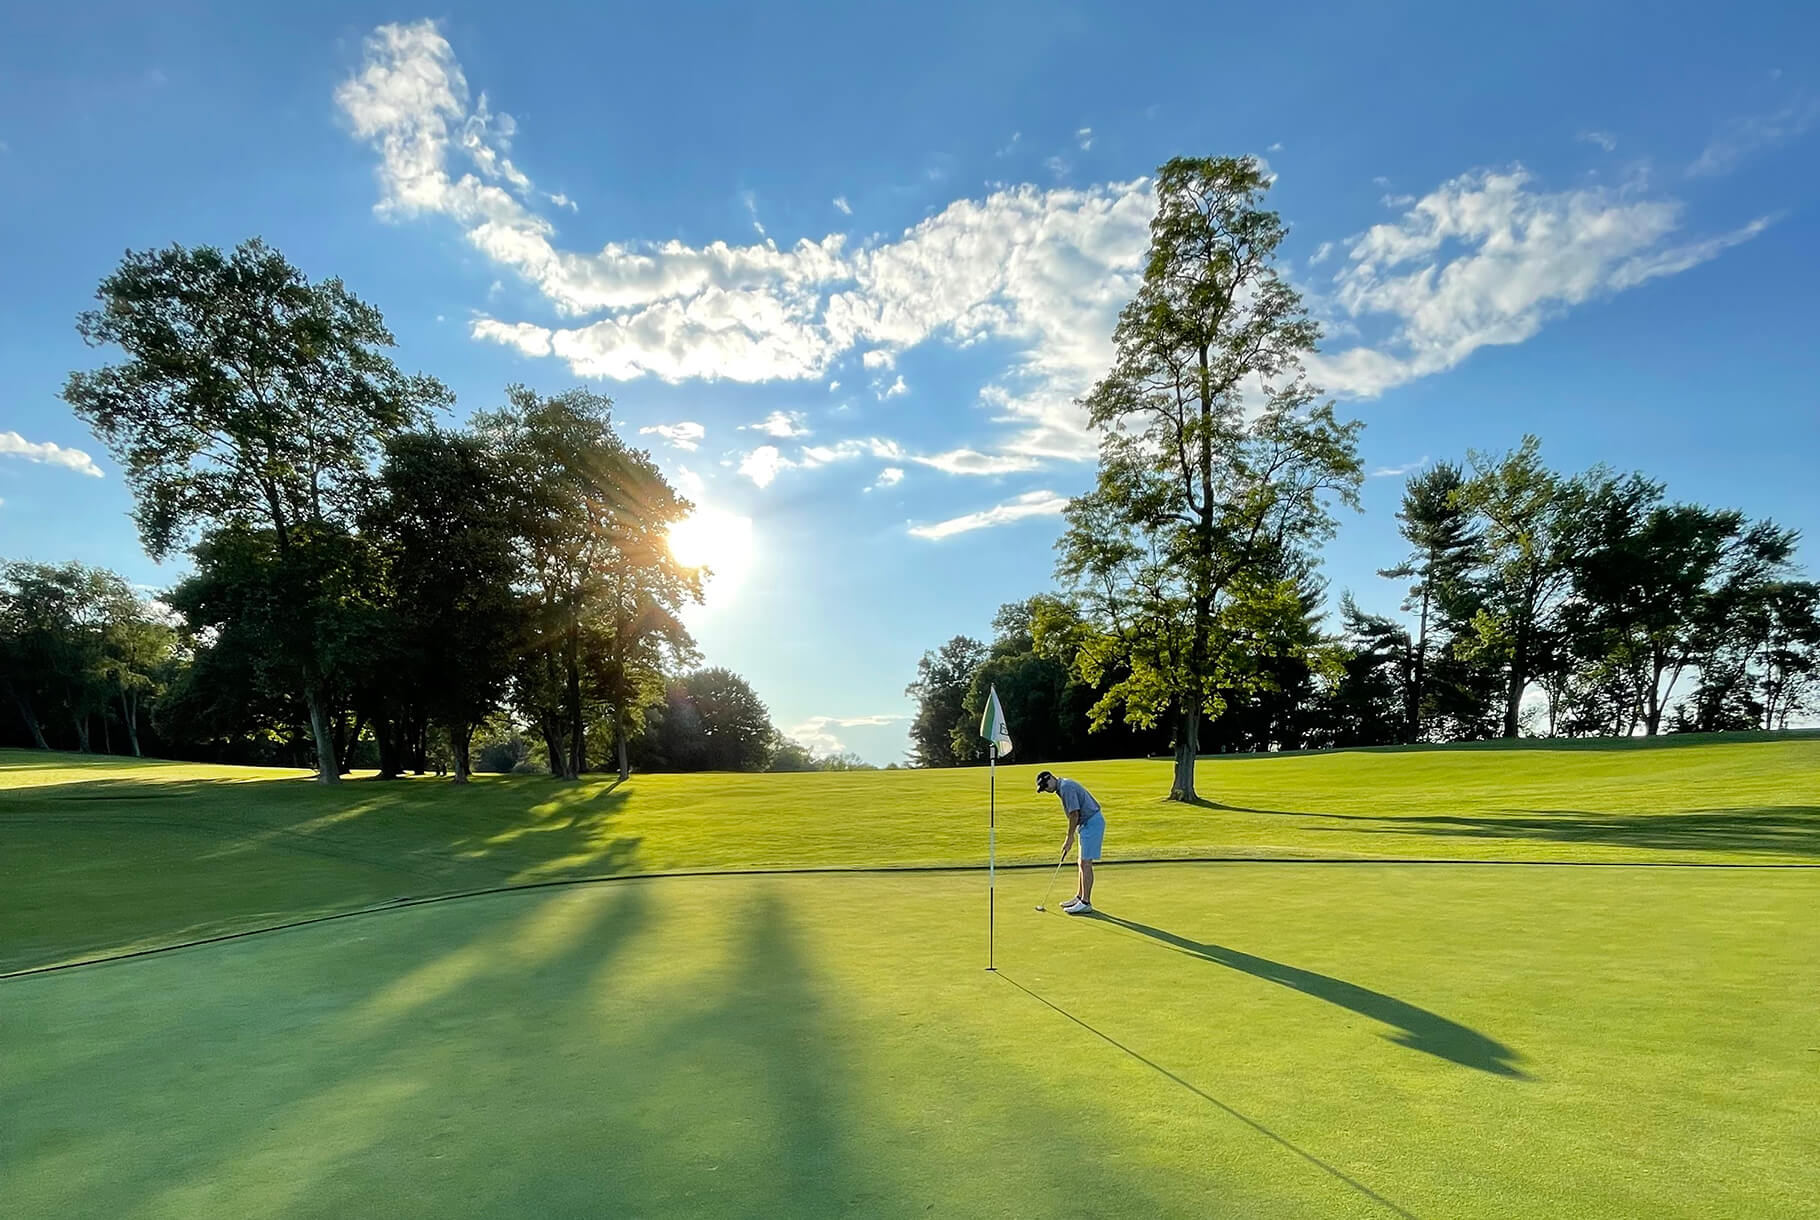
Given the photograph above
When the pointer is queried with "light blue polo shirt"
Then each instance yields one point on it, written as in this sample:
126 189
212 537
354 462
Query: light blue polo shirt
1076 799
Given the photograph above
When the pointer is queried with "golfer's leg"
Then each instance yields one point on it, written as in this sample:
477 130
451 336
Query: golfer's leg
1087 881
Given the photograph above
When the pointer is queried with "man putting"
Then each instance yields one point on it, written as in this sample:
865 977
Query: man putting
1084 818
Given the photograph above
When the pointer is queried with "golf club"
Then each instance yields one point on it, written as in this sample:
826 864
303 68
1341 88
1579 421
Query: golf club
1052 877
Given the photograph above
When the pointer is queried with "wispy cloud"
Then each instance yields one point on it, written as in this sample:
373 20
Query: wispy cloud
879 358
1030 504
48 453
842 206
1084 137
685 435
894 390
1742 138
890 476
1391 472
1604 139
781 424
1277 147
816 735
1010 145
1486 260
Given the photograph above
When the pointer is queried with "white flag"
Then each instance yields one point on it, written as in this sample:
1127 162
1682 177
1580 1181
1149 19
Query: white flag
992 724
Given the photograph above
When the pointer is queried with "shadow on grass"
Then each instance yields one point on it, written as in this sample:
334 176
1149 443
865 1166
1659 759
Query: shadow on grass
1786 830
1417 1028
1664 741
1253 1123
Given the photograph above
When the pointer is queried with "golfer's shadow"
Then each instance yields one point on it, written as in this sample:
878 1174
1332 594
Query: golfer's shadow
1417 1028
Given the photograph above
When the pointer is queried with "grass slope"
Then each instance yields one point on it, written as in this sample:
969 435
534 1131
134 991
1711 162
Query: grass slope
109 855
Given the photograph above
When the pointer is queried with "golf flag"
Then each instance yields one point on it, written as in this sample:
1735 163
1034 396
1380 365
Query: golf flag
992 728
992 723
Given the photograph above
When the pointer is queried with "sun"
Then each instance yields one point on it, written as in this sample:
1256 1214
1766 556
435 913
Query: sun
717 540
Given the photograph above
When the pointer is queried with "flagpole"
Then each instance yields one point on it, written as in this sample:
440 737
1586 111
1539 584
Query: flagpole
991 851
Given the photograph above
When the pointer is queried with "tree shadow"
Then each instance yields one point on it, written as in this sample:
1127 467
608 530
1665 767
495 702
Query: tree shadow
1782 830
1577 745
1417 1028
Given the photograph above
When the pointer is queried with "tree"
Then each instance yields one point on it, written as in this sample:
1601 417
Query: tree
1438 526
712 720
604 589
940 690
251 401
444 521
1527 516
1196 496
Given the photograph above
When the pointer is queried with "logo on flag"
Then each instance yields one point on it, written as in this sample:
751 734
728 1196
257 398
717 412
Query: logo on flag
992 723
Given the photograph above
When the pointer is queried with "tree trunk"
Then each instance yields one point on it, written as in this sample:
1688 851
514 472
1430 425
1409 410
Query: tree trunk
107 733
1186 747
1415 695
328 768
385 736
578 758
1513 696
130 707
81 720
461 736
25 713
552 740
619 740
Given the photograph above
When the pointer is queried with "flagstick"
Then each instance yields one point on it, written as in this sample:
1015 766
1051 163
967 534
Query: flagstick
991 850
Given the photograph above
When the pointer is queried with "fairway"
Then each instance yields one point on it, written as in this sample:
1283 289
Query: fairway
1504 1033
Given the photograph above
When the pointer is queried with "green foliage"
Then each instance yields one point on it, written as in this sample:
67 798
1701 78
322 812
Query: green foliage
940 690
1202 497
711 720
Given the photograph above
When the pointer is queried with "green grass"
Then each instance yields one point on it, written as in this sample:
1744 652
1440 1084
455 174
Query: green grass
111 855
1242 1039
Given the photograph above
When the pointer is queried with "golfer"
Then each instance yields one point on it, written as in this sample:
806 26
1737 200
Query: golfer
1084 818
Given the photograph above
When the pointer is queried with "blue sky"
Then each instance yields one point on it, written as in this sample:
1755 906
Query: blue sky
856 261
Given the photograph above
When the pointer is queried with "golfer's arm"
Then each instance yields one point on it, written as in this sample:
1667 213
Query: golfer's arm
1074 822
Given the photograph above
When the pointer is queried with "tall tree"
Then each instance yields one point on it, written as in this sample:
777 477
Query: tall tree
604 587
1197 495
1526 513
1436 523
445 523
250 401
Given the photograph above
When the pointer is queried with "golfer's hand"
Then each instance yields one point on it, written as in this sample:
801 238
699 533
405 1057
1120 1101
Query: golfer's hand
1066 844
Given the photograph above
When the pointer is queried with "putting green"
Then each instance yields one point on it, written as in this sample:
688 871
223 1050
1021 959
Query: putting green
1246 1040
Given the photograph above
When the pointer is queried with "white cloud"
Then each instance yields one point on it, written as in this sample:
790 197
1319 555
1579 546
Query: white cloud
1604 139
1484 260
692 486
1397 201
879 358
1043 271
1030 504
48 453
563 201
842 451
1277 147
842 206
1057 166
894 390
686 435
814 732
1391 472
1381 182
1011 146
1742 138
970 461
1084 137
1321 254
890 476
833 386
781 424
751 202
763 464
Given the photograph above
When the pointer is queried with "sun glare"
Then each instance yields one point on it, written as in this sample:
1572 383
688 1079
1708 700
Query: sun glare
718 541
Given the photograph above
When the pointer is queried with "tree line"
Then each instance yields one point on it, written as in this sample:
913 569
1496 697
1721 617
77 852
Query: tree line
366 583
1189 614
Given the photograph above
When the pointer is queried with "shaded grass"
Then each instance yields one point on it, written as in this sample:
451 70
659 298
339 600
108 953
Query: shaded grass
829 1045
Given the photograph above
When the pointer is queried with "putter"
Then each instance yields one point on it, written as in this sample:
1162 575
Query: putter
1043 905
